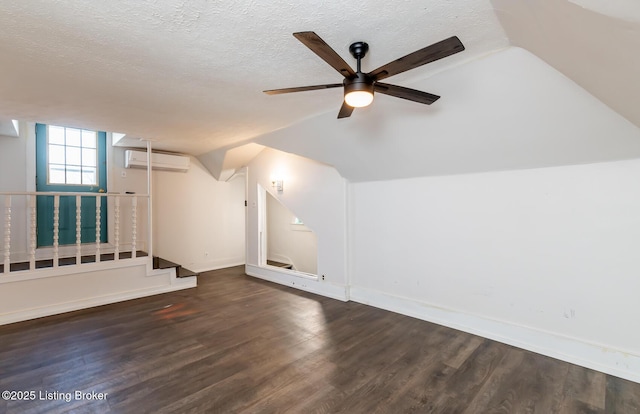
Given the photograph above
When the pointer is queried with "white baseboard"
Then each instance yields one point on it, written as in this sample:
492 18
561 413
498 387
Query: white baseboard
572 350
216 264
33 313
298 282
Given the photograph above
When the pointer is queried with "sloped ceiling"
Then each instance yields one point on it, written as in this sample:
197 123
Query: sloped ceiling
594 43
509 110
189 75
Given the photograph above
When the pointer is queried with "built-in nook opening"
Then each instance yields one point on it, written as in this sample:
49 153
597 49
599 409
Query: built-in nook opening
287 243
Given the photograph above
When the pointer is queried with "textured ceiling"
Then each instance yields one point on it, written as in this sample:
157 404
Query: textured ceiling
189 74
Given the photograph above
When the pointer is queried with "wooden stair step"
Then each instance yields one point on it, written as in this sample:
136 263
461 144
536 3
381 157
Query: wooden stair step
184 272
279 264
160 263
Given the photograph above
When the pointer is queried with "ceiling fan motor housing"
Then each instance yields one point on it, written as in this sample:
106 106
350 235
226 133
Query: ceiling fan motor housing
360 83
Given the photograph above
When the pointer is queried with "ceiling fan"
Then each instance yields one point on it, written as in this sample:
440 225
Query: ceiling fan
359 87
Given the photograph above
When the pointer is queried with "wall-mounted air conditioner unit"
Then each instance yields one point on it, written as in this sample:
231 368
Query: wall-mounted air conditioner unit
159 161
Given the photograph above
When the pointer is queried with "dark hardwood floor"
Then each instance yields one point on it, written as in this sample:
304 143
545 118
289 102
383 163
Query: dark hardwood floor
237 344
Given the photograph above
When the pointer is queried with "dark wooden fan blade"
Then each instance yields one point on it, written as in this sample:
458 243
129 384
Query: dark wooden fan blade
345 111
320 48
420 57
302 88
405 93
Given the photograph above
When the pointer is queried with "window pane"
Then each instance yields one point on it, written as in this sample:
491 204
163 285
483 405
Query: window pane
56 135
56 174
73 137
73 175
73 156
89 157
88 139
89 176
56 154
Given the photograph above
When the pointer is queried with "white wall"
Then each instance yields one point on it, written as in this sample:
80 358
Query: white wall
290 243
546 259
12 156
13 177
121 180
316 193
199 222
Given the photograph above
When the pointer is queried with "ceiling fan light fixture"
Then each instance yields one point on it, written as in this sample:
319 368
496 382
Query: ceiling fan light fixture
358 99
358 91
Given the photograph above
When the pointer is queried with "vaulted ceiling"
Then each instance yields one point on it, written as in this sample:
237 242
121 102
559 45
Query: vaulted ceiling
189 75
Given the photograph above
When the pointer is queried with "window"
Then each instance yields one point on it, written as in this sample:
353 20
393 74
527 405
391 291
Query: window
72 156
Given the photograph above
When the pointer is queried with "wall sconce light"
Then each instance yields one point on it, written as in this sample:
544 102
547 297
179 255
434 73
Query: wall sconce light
277 184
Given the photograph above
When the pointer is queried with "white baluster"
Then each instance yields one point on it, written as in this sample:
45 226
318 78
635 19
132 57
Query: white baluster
116 227
134 225
7 234
32 235
78 229
56 228
98 206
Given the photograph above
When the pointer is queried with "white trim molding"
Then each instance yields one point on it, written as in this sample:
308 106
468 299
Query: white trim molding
302 282
216 264
573 350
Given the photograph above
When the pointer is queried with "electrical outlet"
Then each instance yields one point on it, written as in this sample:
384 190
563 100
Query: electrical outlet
322 277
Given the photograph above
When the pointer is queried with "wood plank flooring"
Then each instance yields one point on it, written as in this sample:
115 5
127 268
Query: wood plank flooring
236 344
